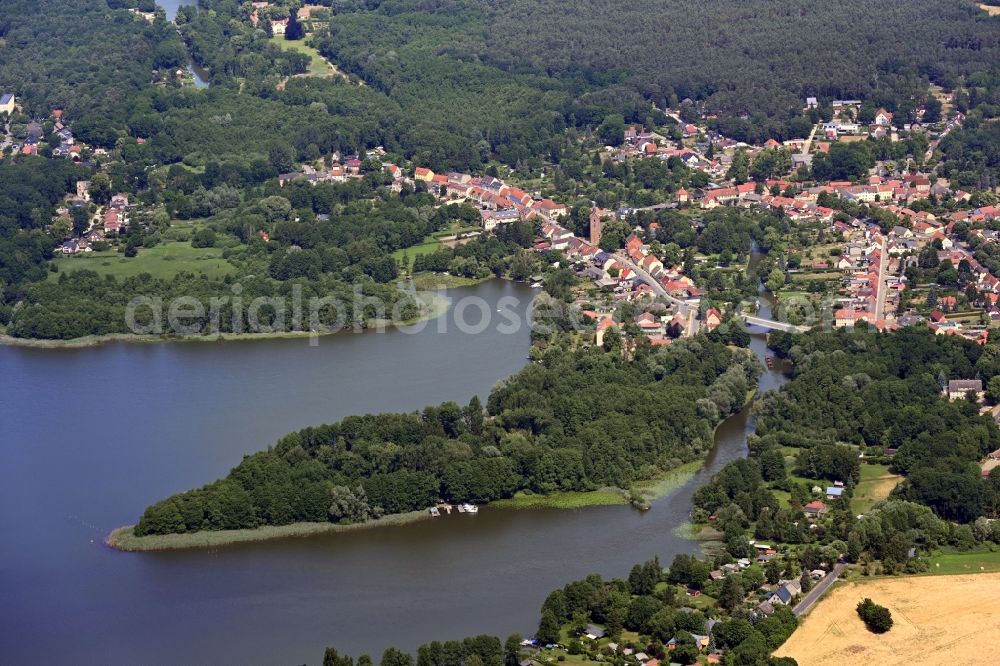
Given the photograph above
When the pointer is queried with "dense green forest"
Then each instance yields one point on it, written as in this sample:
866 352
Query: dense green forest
29 191
884 392
972 152
753 64
453 83
577 421
81 56
747 57
223 41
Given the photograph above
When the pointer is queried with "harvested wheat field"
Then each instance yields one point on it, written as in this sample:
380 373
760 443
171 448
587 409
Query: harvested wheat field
938 620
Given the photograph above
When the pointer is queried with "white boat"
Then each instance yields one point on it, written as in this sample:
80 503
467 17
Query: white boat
537 285
471 508
434 511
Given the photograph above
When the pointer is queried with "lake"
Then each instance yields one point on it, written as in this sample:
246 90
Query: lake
92 436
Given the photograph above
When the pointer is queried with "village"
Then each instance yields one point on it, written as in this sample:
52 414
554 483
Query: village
872 272
871 269
872 266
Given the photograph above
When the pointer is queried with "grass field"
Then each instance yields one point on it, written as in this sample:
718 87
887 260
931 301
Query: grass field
318 65
436 281
812 275
875 485
819 252
793 295
945 563
938 620
428 245
163 261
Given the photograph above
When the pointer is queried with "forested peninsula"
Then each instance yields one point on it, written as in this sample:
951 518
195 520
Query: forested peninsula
578 420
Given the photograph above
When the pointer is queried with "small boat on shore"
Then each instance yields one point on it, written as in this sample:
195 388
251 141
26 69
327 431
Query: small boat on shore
469 508
434 511
460 507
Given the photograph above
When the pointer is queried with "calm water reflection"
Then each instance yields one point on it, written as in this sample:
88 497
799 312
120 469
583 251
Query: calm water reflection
92 436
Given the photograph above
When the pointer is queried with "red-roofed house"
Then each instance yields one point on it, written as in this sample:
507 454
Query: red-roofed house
549 209
712 319
883 118
815 509
112 221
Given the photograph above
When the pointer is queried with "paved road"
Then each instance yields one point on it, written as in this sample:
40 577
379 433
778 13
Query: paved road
808 143
685 309
814 594
649 279
881 287
952 124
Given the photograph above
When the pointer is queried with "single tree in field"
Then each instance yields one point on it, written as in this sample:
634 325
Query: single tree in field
877 618
294 30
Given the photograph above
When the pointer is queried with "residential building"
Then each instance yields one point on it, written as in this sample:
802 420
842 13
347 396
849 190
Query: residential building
959 388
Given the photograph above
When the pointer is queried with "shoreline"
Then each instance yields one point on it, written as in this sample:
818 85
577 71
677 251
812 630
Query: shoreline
648 489
436 307
124 540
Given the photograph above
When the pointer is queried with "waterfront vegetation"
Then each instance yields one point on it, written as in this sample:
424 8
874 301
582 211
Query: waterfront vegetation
882 398
348 251
124 538
547 429
886 394
563 500
652 611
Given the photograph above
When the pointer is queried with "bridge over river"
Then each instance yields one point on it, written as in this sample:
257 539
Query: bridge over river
773 325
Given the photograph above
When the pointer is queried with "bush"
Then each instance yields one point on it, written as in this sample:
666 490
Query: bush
877 618
203 238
